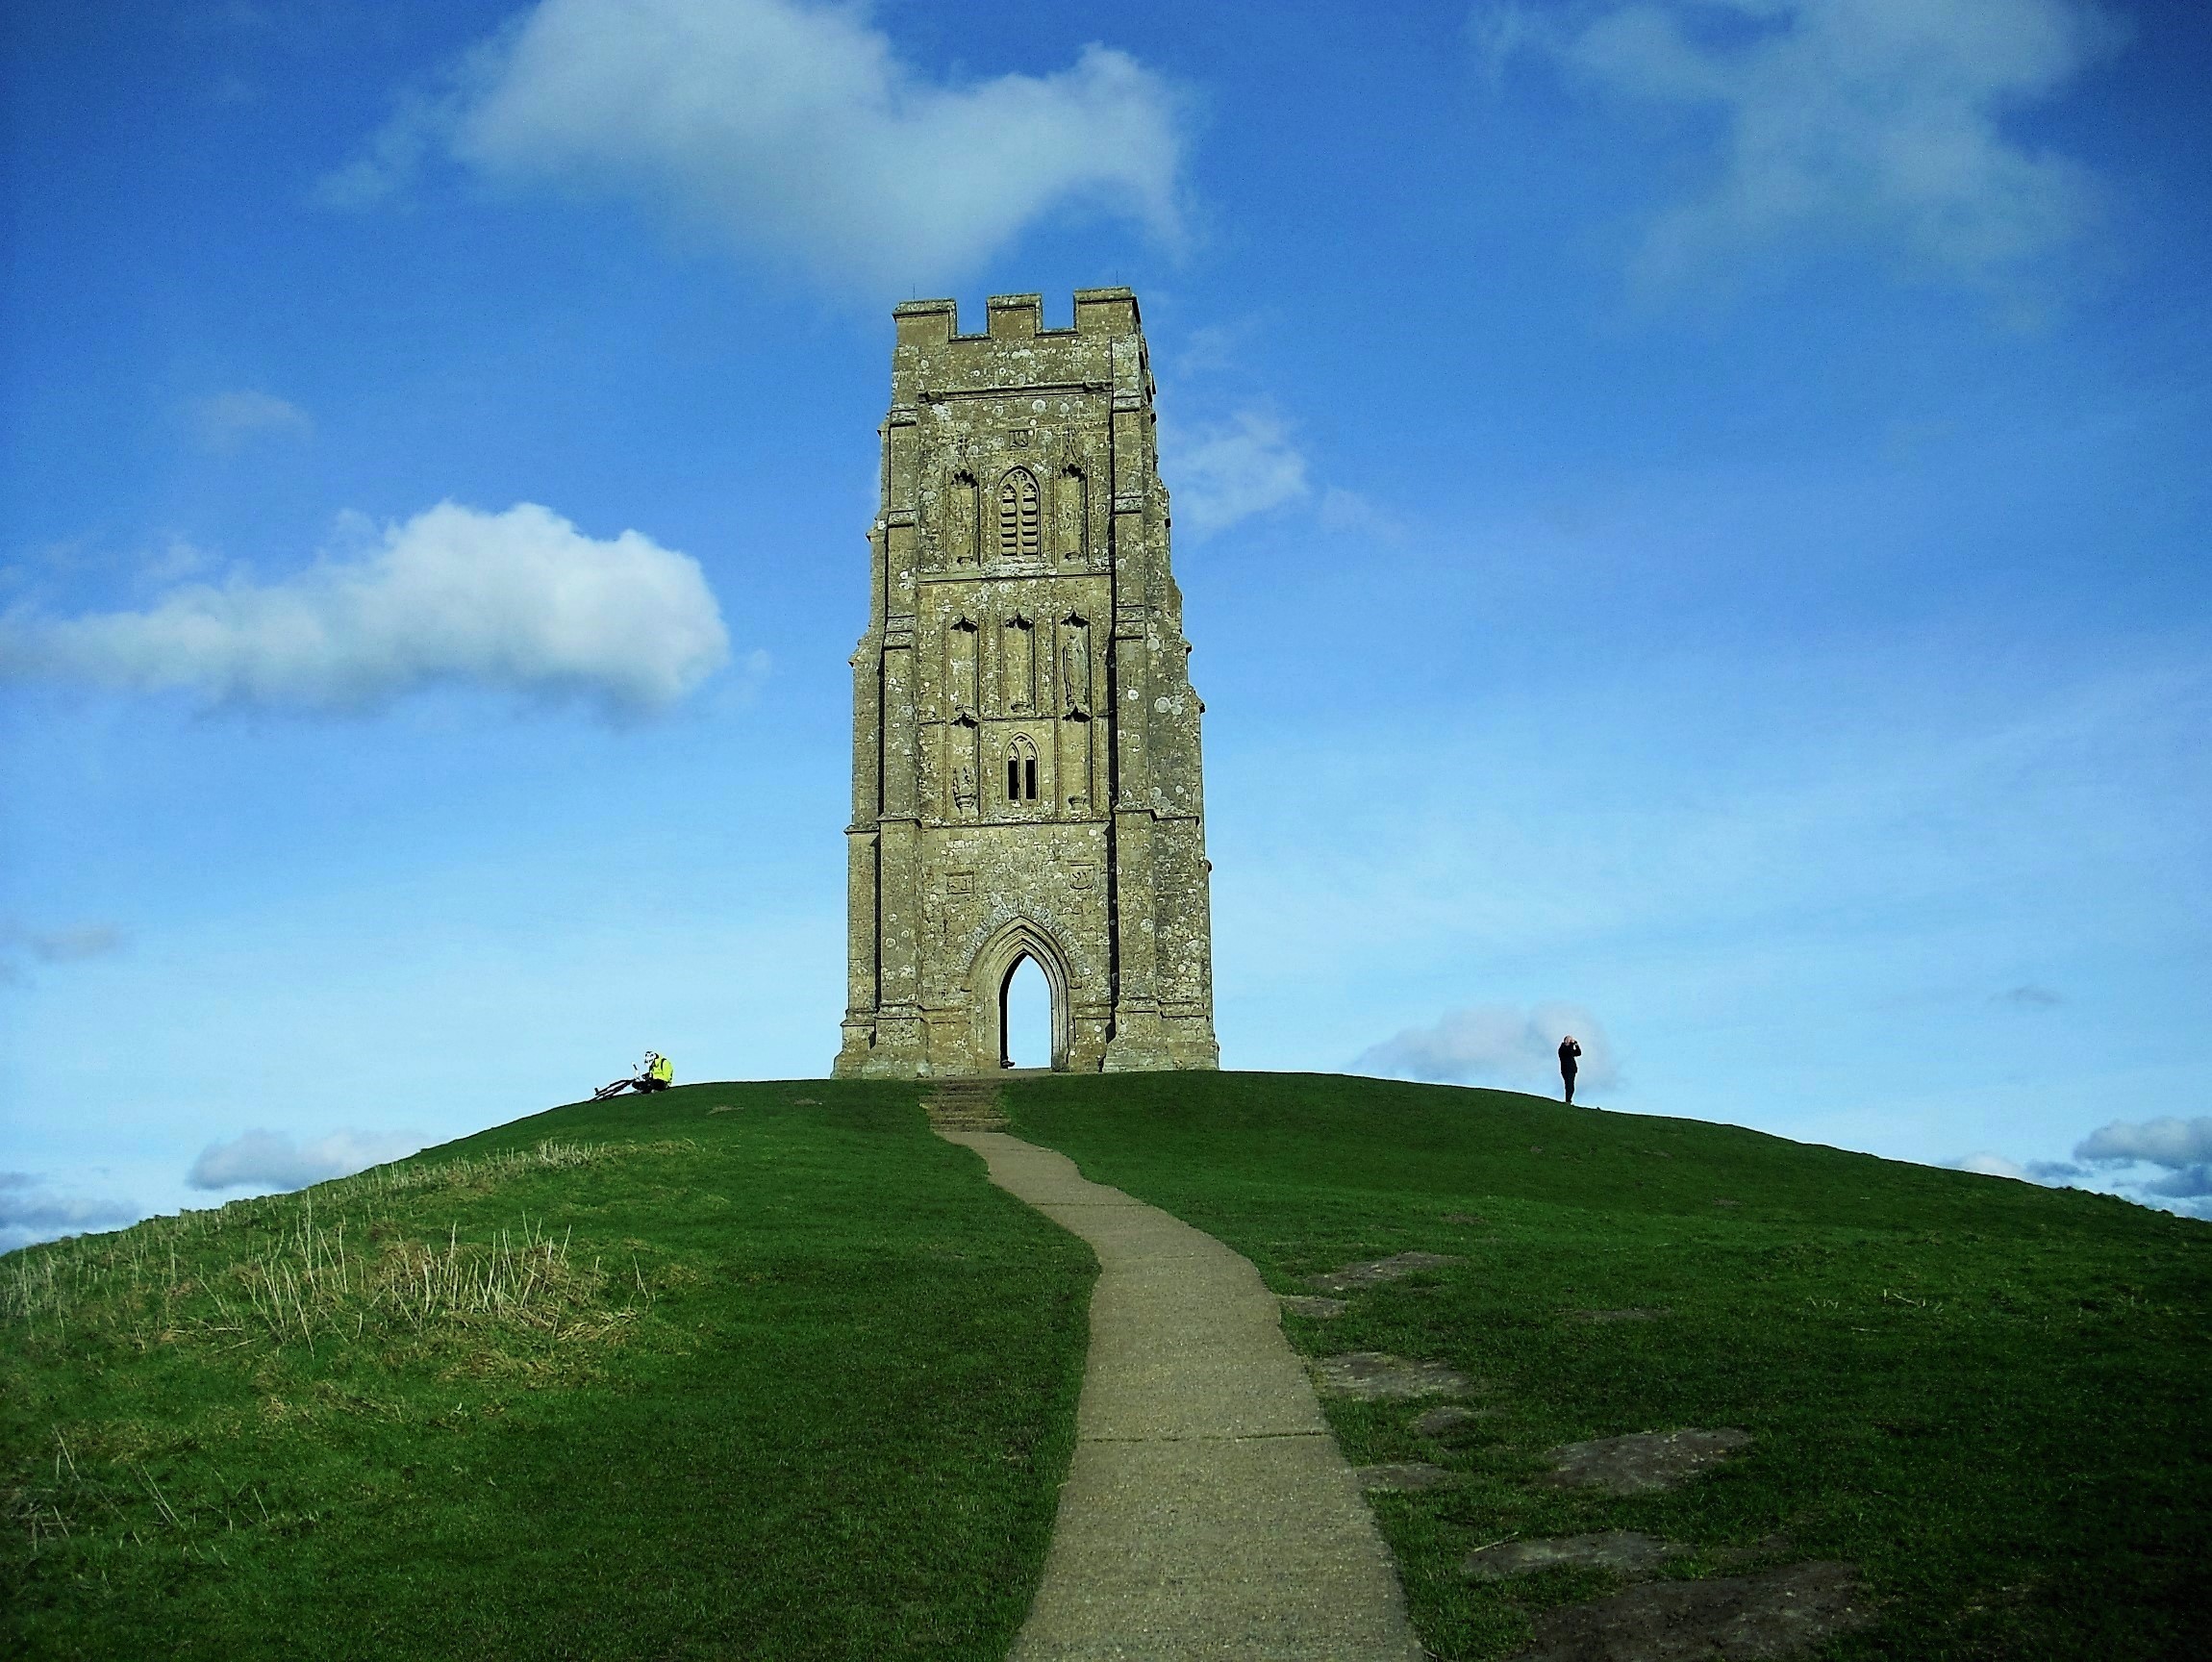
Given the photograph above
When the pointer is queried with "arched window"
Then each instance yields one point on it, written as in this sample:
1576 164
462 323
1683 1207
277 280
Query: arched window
1021 771
1018 527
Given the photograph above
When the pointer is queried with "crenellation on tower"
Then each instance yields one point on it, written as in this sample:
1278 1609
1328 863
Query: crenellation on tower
1026 756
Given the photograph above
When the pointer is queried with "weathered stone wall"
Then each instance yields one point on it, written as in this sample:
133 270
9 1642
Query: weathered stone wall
1026 778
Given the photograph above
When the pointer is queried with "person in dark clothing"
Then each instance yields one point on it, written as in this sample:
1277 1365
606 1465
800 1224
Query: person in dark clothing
1569 1051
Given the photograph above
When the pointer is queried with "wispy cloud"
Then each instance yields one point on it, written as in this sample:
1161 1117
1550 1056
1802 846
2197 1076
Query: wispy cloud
789 129
1348 514
272 1160
70 945
1870 122
226 421
1554 793
521 601
1496 1045
1226 471
30 1210
66 945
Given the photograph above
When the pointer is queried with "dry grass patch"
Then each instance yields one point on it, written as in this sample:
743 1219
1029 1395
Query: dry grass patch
331 1262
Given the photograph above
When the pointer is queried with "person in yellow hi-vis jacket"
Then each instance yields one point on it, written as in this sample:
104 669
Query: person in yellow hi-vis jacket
656 1073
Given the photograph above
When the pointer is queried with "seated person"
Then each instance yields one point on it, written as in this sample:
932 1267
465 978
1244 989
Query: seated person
656 1073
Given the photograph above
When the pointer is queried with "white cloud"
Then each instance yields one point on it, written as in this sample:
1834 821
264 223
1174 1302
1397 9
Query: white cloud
2169 1142
791 128
520 601
1989 1166
2181 1148
226 421
31 1211
1494 1045
272 1160
1231 470
1862 120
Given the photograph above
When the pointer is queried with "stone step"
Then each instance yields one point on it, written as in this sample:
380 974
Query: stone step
966 1105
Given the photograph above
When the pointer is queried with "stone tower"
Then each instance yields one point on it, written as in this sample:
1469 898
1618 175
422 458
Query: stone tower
1025 776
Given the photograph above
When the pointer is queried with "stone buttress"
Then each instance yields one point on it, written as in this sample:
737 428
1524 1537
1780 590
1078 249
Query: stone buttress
1025 738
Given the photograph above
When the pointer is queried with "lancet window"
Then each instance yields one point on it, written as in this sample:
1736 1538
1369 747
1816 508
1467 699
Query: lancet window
1021 770
1018 530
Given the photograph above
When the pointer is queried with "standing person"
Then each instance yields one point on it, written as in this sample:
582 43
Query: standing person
1569 1051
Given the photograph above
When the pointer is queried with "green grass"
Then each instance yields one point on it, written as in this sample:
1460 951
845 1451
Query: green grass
1995 1398
791 1380
633 1379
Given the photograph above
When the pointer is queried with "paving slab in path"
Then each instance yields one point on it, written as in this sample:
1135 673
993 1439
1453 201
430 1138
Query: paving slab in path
1207 1512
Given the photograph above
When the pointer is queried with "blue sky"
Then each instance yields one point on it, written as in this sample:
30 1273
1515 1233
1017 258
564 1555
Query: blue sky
1692 514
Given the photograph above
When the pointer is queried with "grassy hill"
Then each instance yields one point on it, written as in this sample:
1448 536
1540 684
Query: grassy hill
754 1370
1995 1398
767 1370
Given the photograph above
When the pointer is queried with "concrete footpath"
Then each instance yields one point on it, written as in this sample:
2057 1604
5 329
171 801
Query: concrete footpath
1208 1512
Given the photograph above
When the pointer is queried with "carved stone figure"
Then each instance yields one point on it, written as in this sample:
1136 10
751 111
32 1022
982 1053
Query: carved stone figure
1026 859
1075 671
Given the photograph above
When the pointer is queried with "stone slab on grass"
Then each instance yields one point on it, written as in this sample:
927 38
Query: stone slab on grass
1378 1376
1404 1476
1352 1277
1321 1309
1450 1417
1602 1317
1763 1618
1643 1460
1622 1550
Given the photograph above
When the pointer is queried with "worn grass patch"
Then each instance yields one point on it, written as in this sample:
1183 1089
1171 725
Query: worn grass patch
627 1380
1989 1396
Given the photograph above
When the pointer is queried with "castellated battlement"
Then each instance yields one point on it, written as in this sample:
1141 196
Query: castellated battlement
1018 317
1102 353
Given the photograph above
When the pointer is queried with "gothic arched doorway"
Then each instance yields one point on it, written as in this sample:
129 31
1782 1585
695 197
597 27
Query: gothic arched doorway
998 997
